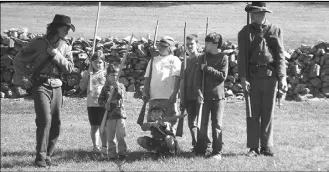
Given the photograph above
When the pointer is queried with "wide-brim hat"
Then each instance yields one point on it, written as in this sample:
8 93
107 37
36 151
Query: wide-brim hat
257 6
63 19
167 41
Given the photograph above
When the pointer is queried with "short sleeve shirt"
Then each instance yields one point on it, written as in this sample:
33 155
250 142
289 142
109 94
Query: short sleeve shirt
163 80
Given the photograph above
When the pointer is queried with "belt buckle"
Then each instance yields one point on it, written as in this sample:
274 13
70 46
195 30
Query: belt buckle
261 65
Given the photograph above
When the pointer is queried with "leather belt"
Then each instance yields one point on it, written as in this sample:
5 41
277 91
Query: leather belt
269 66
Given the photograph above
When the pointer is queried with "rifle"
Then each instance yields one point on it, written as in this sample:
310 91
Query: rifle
155 34
205 62
180 125
246 94
102 127
141 115
93 50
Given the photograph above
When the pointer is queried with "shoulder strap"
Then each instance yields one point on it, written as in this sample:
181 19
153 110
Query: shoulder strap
254 44
44 63
42 66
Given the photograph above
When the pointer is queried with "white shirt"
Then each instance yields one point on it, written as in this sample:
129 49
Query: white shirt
163 80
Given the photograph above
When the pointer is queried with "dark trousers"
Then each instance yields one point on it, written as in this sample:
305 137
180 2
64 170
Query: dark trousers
192 108
47 104
262 100
214 109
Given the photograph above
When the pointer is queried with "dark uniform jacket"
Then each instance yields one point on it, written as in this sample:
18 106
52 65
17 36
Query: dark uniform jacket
274 42
215 74
34 53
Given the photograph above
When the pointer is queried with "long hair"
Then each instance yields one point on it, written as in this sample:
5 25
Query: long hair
52 29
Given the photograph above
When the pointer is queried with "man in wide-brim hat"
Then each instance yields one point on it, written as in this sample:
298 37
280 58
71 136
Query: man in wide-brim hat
266 71
63 19
50 56
257 7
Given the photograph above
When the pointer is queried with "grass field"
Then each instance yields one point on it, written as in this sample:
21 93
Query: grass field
301 141
301 22
301 128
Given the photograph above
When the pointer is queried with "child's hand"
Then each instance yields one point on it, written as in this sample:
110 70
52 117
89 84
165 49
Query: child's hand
155 124
116 84
182 115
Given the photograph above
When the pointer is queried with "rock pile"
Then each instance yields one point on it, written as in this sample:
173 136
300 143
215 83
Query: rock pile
308 66
308 72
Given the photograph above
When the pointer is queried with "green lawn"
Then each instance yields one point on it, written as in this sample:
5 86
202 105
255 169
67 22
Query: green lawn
301 22
300 138
301 128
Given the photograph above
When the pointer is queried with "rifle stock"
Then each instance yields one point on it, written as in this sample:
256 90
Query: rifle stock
200 116
93 50
205 61
141 115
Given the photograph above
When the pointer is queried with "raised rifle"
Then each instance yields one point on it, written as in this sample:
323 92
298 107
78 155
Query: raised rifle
180 125
93 50
141 115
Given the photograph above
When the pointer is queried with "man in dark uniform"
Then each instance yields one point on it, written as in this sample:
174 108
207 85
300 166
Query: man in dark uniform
267 71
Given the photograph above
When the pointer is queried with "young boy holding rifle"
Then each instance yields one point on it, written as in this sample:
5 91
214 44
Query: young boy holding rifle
116 117
214 64
190 104
163 139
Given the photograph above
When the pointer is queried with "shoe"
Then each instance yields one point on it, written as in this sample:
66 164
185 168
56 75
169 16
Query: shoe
96 149
216 156
103 150
193 151
49 163
112 157
122 157
40 162
253 152
266 151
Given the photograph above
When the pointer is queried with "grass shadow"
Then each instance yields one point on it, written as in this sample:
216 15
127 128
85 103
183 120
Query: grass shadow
77 155
16 162
146 155
233 154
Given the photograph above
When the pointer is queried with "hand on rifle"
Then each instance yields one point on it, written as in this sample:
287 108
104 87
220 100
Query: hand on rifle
202 66
52 51
182 115
283 86
154 52
182 106
245 85
146 97
173 98
200 97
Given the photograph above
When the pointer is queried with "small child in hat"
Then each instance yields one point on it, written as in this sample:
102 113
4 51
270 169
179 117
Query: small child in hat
97 73
116 116
163 139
